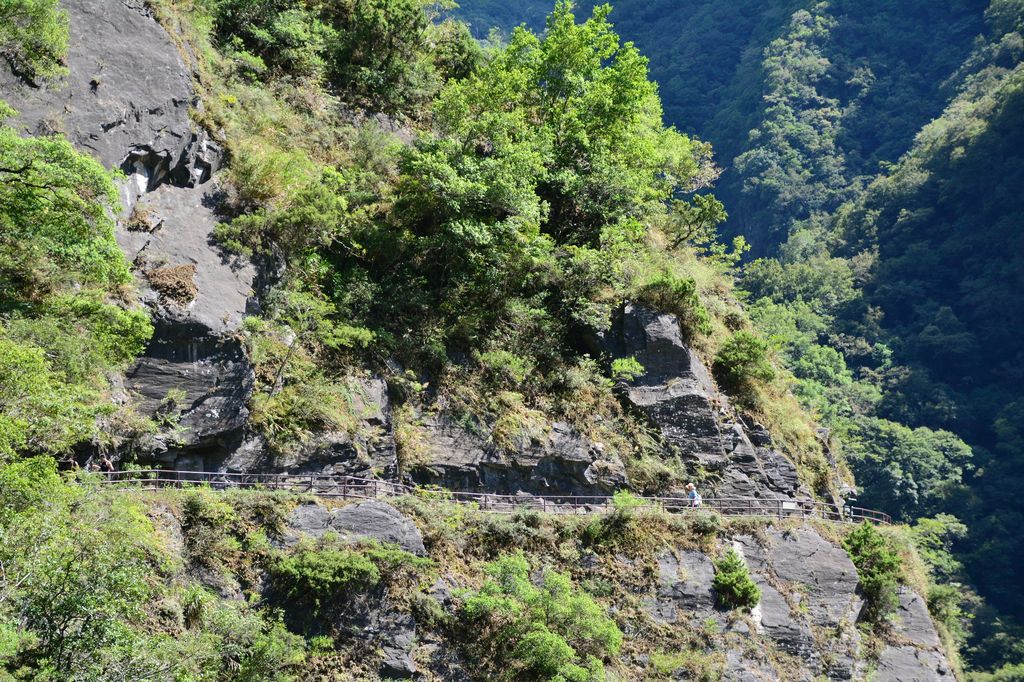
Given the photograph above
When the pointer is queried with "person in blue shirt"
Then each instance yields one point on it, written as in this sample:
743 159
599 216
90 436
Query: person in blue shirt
693 495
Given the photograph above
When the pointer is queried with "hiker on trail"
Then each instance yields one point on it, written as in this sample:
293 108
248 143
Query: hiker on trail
693 495
106 466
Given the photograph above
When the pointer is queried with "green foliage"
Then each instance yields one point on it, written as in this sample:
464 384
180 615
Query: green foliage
678 296
317 577
908 472
56 226
732 583
742 363
59 337
383 54
34 37
544 631
879 570
83 573
626 369
694 222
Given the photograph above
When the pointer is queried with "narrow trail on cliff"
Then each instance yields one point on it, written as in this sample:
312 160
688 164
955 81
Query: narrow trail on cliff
355 488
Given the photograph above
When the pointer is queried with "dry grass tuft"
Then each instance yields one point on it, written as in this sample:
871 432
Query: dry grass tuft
175 282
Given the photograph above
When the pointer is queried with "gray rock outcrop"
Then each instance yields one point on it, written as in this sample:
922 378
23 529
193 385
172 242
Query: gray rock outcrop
677 395
562 462
919 654
684 587
368 452
126 97
372 519
126 101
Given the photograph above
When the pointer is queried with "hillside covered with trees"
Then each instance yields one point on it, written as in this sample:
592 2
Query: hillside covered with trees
353 238
870 155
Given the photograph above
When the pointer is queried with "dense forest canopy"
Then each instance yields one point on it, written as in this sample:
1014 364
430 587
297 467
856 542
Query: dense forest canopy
871 153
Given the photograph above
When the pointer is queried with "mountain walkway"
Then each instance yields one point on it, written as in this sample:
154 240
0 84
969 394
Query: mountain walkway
354 488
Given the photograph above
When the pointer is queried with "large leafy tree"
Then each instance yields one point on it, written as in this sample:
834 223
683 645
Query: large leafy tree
548 155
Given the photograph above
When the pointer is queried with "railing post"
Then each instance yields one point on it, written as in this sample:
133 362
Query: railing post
778 502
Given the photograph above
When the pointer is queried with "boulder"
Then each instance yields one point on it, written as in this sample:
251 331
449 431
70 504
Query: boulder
371 519
561 462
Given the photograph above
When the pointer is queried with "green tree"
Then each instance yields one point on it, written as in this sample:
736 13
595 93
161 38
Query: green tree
549 630
34 37
56 226
732 583
743 362
879 571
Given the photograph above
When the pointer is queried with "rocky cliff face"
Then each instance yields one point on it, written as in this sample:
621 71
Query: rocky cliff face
803 628
677 395
126 101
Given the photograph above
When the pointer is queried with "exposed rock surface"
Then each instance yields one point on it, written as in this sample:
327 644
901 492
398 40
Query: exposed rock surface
371 519
919 656
126 101
677 394
684 587
562 462
373 620
369 452
181 221
808 609
126 97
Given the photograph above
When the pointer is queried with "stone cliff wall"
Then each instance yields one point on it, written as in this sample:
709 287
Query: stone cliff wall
126 101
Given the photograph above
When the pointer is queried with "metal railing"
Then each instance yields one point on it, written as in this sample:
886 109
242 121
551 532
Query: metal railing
351 487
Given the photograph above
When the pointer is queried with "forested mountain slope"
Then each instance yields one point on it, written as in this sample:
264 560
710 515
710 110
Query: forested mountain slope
323 239
801 100
872 149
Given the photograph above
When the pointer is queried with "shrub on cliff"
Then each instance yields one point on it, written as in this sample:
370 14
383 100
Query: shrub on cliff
546 630
742 363
878 569
732 583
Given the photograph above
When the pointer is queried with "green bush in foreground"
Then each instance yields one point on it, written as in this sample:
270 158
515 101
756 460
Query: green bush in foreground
544 631
733 584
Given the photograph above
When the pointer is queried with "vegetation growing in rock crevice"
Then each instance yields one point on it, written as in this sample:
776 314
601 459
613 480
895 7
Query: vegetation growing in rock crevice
878 571
543 631
733 585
